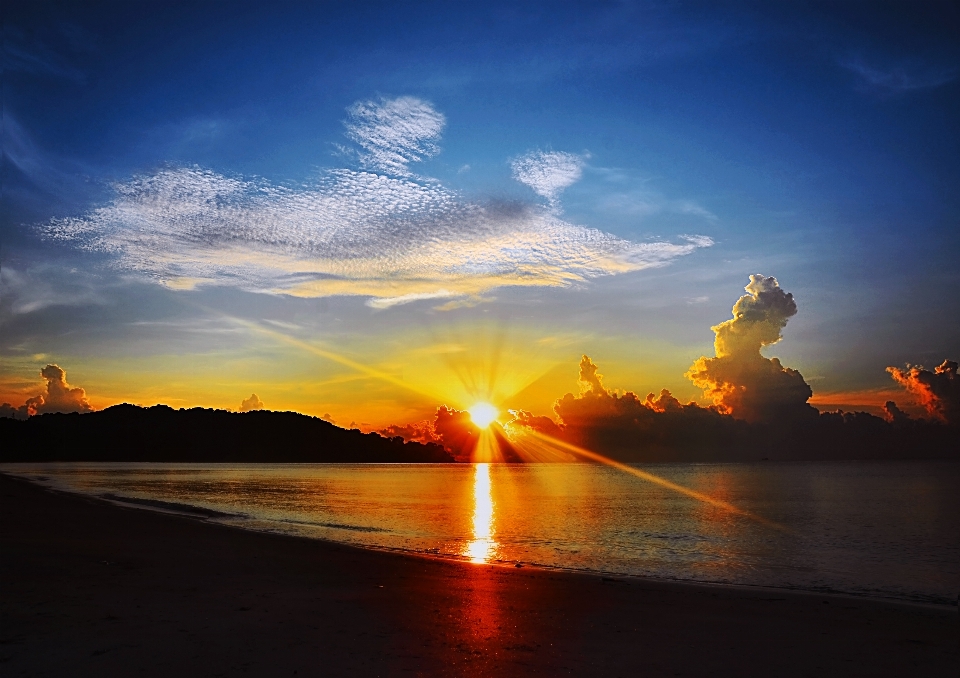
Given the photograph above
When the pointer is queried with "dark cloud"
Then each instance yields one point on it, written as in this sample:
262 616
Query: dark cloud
58 397
527 420
624 426
739 379
9 411
894 414
456 432
938 391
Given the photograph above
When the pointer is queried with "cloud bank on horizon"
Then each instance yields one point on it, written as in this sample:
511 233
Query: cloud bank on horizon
384 233
758 405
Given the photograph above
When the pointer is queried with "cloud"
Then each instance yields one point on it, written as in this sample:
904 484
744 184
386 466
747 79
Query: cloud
626 427
521 419
900 79
596 407
59 396
418 431
45 285
387 302
548 173
739 379
894 414
392 237
938 391
395 132
456 432
348 233
24 52
251 403
760 408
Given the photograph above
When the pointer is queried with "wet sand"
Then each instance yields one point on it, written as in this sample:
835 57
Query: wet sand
89 588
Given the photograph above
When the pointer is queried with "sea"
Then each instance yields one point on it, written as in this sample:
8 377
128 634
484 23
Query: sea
879 529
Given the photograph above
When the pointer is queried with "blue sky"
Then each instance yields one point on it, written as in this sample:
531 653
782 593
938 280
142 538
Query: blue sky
814 143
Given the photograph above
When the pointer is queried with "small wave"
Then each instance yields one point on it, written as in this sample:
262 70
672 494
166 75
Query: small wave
335 526
170 506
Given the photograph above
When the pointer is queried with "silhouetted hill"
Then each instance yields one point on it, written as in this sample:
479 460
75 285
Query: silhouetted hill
160 433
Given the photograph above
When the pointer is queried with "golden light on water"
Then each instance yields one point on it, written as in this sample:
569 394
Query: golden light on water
481 548
483 414
584 453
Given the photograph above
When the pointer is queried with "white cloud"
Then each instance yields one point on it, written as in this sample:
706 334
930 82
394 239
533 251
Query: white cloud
699 240
395 132
393 239
387 302
548 173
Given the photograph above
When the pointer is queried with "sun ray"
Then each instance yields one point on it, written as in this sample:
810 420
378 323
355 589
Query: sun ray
584 453
335 357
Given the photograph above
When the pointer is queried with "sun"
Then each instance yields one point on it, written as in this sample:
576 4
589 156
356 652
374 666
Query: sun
483 414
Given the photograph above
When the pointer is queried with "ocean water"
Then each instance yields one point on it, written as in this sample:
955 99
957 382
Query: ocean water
885 529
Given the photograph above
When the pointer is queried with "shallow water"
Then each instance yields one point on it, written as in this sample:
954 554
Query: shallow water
889 529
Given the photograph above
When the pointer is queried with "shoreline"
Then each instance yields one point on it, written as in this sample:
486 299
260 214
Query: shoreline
99 589
210 516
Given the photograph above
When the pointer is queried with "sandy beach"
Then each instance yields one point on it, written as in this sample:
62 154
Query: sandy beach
89 588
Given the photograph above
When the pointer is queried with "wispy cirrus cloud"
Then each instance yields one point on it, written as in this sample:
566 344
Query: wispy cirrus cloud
548 173
902 78
395 239
395 132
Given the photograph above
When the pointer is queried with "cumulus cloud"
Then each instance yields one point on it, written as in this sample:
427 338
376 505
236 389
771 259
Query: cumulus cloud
58 396
893 414
548 173
739 379
630 428
418 431
251 403
522 419
597 408
938 391
395 132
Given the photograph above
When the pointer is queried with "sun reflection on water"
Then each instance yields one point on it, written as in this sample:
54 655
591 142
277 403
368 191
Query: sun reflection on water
481 548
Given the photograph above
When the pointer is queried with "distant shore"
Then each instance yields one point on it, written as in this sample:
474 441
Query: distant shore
95 589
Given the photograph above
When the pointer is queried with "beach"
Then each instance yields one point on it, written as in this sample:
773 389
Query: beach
90 588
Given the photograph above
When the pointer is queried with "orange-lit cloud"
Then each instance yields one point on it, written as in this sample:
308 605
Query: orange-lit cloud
739 380
251 403
58 397
938 391
418 431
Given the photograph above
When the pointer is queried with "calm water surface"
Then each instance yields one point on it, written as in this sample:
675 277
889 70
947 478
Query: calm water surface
888 529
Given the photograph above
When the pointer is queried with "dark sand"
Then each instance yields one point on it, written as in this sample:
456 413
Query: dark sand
88 588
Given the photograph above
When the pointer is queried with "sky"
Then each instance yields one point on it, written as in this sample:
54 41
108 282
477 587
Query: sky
362 211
